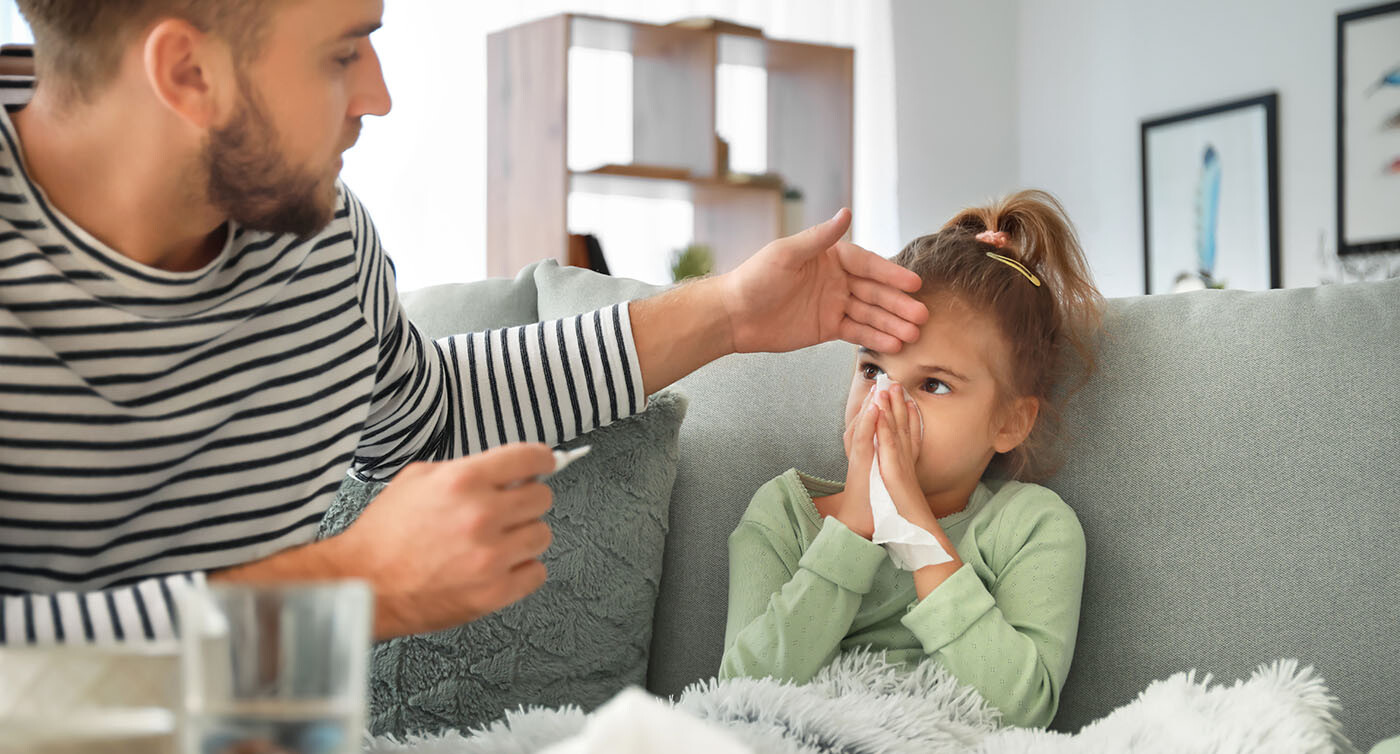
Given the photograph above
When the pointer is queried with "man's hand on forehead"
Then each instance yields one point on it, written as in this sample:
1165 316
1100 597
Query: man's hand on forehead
813 287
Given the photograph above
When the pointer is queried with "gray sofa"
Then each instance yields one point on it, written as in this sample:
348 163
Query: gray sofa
1235 464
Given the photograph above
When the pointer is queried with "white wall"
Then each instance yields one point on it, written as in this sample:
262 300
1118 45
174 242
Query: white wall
956 102
1091 70
1002 94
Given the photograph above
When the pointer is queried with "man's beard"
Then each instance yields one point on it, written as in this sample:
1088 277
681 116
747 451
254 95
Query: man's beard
254 184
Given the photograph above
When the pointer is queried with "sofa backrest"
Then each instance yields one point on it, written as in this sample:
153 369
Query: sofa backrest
1235 463
1236 467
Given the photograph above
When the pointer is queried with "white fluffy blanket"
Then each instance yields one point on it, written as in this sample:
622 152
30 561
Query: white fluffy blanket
861 704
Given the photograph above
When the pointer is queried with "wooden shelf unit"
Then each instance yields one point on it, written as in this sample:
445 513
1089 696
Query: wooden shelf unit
810 124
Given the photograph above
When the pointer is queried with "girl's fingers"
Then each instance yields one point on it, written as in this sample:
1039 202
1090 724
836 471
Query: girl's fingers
889 453
861 455
863 439
855 420
900 413
891 458
915 429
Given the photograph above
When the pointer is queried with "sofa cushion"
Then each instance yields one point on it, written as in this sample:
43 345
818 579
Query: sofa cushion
750 418
454 308
584 636
1235 465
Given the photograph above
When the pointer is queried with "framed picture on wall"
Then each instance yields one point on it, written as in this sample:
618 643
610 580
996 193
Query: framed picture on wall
1210 197
1368 130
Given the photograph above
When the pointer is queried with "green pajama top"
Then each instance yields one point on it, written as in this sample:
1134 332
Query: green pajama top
802 589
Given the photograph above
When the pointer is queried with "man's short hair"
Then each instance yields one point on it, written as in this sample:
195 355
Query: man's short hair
78 44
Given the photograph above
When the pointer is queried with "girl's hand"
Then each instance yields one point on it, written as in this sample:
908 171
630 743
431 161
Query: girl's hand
852 505
897 454
897 433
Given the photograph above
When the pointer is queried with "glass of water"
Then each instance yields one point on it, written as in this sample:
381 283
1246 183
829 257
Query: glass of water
275 668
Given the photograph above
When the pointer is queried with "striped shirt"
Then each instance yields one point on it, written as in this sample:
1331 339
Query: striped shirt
155 425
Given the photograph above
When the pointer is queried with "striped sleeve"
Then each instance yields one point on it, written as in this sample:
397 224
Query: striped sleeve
145 611
545 382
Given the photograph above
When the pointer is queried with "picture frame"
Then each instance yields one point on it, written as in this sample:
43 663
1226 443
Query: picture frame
1210 200
1368 130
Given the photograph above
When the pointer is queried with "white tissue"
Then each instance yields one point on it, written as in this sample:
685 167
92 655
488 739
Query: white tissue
909 546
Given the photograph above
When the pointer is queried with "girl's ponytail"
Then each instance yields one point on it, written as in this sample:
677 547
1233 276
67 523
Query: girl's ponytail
1042 238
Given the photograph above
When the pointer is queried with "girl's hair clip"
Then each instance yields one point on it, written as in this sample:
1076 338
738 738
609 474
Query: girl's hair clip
1017 266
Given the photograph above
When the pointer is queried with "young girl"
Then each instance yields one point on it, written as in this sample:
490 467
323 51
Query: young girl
1009 298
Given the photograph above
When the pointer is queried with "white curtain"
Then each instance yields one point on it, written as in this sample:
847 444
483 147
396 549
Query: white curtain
421 171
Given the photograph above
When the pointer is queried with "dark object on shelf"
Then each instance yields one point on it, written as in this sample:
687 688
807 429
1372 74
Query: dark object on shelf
596 261
585 251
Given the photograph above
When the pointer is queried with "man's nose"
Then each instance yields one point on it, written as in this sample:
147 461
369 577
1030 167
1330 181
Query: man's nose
371 94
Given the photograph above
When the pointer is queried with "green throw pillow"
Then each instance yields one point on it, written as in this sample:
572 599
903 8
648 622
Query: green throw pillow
585 634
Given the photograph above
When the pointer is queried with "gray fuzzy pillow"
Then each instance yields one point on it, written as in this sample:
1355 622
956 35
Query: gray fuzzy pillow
584 635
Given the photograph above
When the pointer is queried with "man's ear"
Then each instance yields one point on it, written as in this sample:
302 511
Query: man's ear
1016 424
190 72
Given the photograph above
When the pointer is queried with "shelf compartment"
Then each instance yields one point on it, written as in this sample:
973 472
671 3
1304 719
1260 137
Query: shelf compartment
803 94
672 88
733 219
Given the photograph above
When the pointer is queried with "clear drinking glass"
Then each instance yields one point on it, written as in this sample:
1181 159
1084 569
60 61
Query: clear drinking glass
275 669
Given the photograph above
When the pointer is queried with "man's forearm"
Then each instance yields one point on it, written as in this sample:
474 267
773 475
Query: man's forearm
316 561
324 560
679 331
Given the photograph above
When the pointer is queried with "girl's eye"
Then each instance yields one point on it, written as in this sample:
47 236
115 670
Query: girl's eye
936 387
869 371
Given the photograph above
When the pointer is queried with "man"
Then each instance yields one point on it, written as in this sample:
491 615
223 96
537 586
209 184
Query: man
199 333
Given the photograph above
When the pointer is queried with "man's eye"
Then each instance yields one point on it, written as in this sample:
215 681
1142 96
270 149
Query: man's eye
869 371
348 59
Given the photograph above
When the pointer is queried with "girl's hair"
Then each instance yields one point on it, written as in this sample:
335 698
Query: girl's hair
1045 325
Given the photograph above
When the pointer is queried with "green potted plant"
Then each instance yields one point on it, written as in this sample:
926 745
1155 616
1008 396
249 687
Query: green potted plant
694 261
